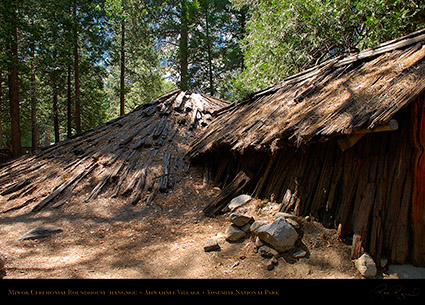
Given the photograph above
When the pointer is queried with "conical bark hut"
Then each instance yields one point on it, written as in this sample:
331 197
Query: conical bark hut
134 156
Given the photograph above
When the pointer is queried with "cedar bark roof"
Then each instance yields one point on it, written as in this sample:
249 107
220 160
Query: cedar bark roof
134 156
338 97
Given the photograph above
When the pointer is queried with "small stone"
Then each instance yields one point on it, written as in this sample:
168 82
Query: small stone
233 233
299 254
271 263
240 220
366 266
239 201
266 251
258 242
211 245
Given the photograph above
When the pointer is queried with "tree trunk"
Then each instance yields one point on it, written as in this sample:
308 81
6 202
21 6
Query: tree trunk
183 44
122 76
69 104
55 108
34 127
1 107
210 72
77 117
14 85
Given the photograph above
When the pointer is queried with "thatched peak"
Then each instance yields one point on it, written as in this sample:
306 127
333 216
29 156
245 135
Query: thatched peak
134 156
338 97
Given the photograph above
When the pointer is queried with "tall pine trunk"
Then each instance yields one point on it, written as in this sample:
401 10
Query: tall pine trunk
55 107
122 76
183 46
1 107
34 127
69 104
77 117
13 77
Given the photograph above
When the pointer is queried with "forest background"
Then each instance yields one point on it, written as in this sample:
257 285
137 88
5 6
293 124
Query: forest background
67 66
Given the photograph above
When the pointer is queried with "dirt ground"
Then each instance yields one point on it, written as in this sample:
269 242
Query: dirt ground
109 238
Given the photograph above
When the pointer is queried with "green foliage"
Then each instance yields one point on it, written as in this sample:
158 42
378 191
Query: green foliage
285 37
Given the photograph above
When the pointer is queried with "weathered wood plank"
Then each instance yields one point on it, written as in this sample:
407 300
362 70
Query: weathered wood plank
418 192
234 188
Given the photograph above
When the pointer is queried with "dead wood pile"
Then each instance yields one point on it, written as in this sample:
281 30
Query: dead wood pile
134 156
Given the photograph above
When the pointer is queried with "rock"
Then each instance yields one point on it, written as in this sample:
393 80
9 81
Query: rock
240 219
366 266
279 234
233 233
41 232
266 251
256 225
293 223
406 272
246 228
258 242
299 254
239 201
211 245
271 263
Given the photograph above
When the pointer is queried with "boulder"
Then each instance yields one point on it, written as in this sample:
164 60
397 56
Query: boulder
240 219
239 201
233 233
366 266
279 234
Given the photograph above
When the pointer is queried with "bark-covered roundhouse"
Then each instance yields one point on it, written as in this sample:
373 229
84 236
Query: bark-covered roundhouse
134 156
343 141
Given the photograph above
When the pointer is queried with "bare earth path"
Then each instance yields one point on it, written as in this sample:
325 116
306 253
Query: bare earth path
109 238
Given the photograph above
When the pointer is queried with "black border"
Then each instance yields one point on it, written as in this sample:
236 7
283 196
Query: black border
302 290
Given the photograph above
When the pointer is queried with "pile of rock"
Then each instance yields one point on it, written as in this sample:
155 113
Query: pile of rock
271 238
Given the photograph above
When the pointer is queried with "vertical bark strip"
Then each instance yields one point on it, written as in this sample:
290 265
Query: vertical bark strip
418 194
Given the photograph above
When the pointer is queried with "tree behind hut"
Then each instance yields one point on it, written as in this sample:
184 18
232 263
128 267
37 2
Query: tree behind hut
286 37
